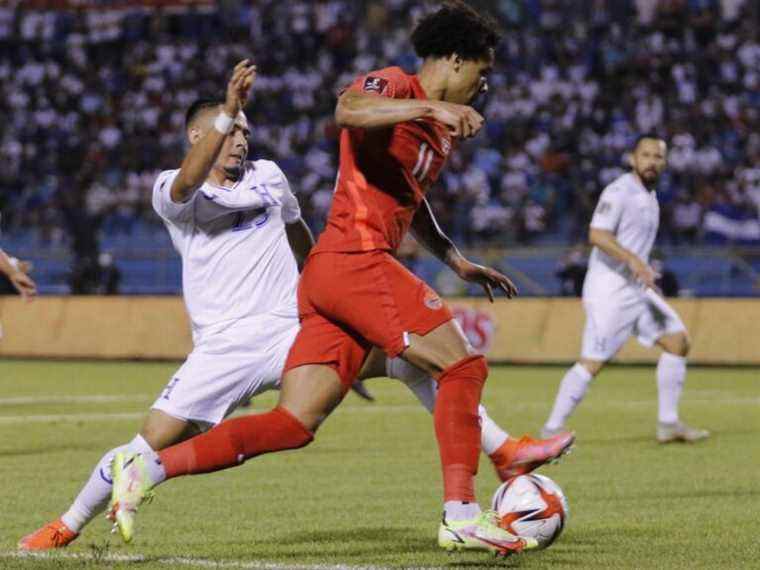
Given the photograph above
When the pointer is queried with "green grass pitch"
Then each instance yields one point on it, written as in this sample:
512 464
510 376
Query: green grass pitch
366 493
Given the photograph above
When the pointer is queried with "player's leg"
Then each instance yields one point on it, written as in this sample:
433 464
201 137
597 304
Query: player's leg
409 319
662 326
671 375
609 323
320 360
159 430
322 363
319 365
510 456
572 390
228 369
445 353
308 394
166 423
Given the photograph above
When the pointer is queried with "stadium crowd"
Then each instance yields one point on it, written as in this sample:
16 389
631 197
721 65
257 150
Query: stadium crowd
93 105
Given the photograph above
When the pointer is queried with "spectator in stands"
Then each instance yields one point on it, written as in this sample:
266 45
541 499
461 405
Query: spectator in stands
571 271
90 98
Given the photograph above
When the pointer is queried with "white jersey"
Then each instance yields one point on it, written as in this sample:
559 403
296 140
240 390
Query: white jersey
236 260
631 212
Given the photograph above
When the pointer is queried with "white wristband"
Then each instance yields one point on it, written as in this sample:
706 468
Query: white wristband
223 123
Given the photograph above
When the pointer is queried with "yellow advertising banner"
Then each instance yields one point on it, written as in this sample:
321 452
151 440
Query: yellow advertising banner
534 330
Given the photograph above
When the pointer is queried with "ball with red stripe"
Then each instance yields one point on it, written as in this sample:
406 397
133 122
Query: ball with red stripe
532 506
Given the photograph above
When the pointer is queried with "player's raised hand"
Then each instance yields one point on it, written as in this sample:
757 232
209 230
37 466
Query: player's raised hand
239 87
643 272
487 277
24 284
462 120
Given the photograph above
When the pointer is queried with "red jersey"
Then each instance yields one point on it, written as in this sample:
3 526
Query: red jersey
383 173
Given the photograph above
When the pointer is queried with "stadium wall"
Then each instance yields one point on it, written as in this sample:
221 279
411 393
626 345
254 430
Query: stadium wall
723 331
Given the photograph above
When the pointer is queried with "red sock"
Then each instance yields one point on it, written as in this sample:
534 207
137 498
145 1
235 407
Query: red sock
457 426
232 442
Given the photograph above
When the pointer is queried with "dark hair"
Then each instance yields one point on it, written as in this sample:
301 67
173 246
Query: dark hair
455 28
653 136
198 106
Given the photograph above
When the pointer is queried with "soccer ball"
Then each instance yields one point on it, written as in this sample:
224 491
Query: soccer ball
532 506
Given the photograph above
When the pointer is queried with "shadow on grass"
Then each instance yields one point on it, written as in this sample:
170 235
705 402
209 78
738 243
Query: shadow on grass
387 545
357 542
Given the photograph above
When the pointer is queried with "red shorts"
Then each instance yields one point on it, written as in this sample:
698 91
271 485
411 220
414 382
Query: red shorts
349 302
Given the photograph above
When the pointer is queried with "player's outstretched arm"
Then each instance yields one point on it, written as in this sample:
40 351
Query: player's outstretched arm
17 276
367 111
205 150
426 230
606 241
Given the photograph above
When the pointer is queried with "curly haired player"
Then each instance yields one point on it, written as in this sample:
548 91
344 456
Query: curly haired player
397 131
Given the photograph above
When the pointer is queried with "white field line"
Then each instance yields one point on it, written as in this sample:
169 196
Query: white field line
368 409
171 561
68 399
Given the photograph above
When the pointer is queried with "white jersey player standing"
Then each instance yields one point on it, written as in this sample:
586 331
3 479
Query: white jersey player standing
237 227
620 297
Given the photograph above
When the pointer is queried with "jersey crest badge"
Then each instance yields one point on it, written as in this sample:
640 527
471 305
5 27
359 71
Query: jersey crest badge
376 84
432 300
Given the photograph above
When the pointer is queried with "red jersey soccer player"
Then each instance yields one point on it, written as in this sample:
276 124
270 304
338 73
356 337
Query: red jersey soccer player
397 132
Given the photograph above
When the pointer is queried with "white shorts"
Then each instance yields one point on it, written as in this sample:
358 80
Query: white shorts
610 323
228 368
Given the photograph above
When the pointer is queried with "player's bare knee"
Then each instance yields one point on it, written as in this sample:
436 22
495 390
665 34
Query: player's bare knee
677 344
308 419
470 369
439 349
592 366
160 430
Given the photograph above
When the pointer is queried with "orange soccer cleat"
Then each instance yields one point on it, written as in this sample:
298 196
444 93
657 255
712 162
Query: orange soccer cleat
53 535
521 456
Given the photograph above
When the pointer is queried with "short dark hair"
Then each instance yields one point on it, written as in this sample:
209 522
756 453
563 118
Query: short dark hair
200 105
455 28
643 136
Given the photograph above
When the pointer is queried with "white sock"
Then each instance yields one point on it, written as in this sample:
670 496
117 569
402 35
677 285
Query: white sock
671 373
418 381
94 496
572 389
154 466
492 437
459 511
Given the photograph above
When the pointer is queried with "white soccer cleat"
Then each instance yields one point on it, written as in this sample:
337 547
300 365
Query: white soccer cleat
131 487
679 431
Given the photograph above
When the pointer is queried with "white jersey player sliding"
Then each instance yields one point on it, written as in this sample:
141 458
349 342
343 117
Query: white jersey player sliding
237 226
620 297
